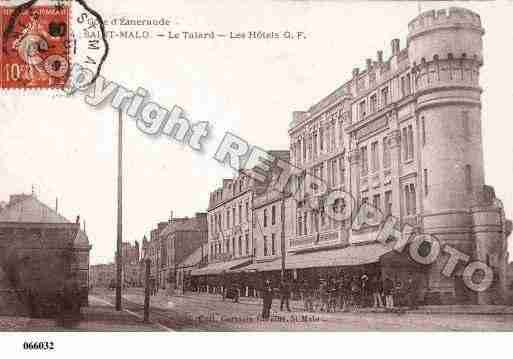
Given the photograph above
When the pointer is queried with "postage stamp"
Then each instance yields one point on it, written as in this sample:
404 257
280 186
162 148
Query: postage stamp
35 46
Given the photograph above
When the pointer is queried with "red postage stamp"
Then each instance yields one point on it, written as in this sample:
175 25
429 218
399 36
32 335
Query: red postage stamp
35 47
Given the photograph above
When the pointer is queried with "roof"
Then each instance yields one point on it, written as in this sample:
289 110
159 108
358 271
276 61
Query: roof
220 267
81 239
192 259
347 256
185 224
30 210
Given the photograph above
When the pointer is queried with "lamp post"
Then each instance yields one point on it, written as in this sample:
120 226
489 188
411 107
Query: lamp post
119 255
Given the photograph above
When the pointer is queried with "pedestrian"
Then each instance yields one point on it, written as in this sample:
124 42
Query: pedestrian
236 291
364 291
355 292
333 294
377 288
399 297
388 289
267 296
344 292
285 290
411 292
323 294
225 285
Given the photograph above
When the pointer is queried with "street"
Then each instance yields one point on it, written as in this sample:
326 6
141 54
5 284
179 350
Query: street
209 313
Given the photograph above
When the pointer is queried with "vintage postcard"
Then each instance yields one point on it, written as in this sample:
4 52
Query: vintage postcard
269 166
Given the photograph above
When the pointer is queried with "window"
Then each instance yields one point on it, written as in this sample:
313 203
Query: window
376 201
247 211
328 134
227 218
423 124
233 246
365 200
373 103
233 210
410 141
468 178
315 145
372 79
305 223
333 136
299 225
240 213
321 139
228 246
334 172
425 181
309 156
273 215
388 203
362 110
375 156
304 150
240 185
265 246
340 133
265 217
386 153
273 244
405 85
410 199
342 171
364 165
247 245
384 96
240 246
407 142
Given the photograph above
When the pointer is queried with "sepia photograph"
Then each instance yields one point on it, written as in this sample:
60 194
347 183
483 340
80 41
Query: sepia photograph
253 166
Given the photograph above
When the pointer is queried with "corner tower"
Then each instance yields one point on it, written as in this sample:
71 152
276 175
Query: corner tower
445 52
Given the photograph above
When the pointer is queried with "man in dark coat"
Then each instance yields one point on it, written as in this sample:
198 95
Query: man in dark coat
388 290
411 292
285 294
267 295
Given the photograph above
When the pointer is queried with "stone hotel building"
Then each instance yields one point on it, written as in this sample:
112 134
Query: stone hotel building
404 135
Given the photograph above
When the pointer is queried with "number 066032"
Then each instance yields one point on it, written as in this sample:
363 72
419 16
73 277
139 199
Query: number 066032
38 346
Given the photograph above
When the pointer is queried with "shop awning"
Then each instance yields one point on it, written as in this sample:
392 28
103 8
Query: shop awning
349 256
220 267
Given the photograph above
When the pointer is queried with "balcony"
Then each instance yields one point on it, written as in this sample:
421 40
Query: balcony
327 237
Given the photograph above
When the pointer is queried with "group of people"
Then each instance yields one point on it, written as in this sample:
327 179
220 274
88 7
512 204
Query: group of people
344 292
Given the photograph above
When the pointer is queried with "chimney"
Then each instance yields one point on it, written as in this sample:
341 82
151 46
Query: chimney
56 204
85 226
356 71
170 216
77 221
380 57
395 47
368 62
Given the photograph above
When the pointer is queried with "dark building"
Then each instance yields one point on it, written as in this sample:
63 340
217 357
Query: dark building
40 252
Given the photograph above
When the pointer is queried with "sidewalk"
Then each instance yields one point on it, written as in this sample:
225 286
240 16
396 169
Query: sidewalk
99 316
428 309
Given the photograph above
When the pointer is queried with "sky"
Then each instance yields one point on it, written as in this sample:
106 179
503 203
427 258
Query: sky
67 149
